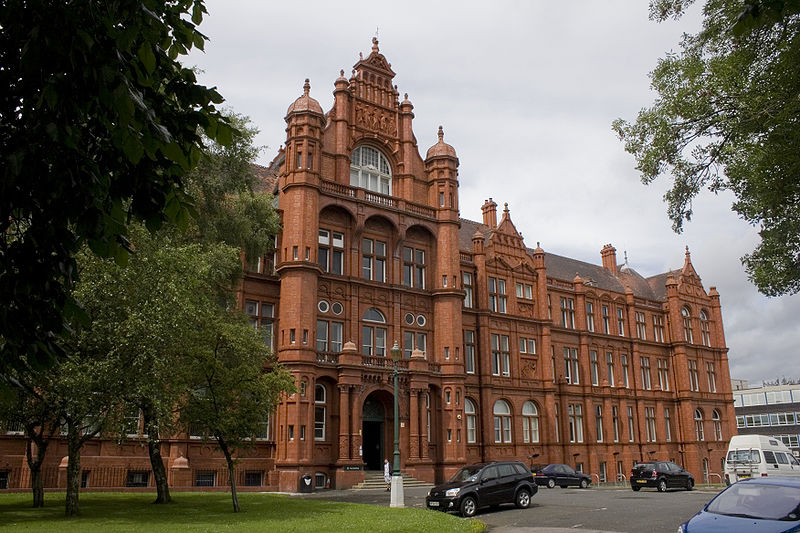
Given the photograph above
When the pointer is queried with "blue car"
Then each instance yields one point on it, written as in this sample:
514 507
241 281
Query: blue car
763 505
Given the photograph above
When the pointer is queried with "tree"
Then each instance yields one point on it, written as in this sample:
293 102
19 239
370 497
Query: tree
99 125
231 396
728 118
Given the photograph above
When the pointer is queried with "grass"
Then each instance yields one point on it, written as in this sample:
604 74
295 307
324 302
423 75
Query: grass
212 512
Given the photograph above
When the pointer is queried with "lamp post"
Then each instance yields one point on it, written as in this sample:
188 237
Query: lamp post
396 498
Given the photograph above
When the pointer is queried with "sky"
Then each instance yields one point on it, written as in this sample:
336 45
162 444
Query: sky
526 92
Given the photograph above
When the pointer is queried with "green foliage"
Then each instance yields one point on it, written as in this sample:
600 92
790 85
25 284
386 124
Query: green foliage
202 512
99 125
727 118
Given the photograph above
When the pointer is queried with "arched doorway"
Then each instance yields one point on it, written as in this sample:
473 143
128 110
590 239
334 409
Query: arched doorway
373 424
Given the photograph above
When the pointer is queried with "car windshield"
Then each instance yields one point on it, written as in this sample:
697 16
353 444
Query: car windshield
760 501
744 456
468 473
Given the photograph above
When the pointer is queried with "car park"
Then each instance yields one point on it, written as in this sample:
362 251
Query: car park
662 475
561 475
483 485
764 504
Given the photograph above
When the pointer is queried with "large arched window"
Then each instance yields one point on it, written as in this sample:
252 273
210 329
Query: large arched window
699 433
715 419
530 422
370 170
687 324
472 421
705 331
502 422
373 338
320 411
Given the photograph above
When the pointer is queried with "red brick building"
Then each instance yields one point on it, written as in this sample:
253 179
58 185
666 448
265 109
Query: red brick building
507 351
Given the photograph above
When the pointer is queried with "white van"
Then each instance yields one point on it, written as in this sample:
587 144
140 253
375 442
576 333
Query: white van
758 456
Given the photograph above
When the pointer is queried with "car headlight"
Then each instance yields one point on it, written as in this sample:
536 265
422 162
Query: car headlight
451 493
428 495
681 528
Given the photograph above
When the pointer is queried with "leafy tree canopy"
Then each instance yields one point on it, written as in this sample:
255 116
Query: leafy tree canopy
99 125
728 118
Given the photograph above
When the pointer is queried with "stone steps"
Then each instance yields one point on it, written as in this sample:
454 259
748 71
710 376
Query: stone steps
374 480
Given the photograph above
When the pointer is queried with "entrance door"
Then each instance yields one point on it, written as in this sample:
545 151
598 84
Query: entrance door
372 434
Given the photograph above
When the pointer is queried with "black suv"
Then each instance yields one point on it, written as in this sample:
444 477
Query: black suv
662 475
484 484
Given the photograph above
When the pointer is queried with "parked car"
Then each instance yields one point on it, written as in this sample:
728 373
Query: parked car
662 475
758 456
764 504
561 475
482 485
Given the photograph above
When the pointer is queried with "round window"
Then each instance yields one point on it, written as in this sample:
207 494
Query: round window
337 308
409 319
323 306
421 320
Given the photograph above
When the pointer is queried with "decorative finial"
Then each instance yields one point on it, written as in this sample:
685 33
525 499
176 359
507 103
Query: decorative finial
360 56
341 73
505 210
687 248
306 87
405 95
441 134
626 256
375 43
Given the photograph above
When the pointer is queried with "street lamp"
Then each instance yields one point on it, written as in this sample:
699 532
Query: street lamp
396 498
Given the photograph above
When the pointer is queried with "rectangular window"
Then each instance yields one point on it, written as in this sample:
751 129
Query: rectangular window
624 359
594 367
590 316
137 478
663 374
466 282
667 426
598 420
252 478
610 368
501 359
641 326
205 478
568 313
414 340
650 423
329 336
645 363
620 321
615 422
497 295
694 383
712 376
631 429
571 373
527 346
373 341
373 260
575 412
606 325
658 328
524 291
413 267
469 351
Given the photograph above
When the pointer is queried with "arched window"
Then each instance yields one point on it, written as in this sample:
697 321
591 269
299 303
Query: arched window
320 411
530 422
705 331
369 169
698 425
687 324
472 420
715 419
502 422
373 338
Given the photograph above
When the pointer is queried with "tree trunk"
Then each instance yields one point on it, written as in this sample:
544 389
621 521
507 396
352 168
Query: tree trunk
35 465
156 463
231 472
73 469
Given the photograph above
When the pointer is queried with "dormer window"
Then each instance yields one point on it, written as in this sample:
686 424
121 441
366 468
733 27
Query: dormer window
369 169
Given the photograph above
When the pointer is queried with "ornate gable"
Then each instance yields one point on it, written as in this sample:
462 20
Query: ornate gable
376 102
689 281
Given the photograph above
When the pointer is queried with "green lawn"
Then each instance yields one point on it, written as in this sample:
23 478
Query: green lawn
212 512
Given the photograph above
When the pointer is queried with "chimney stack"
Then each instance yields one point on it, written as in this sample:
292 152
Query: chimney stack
489 209
609 255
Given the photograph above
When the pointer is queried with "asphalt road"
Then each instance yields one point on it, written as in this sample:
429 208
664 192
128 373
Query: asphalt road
617 510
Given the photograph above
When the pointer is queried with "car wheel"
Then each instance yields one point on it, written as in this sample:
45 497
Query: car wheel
523 499
551 483
468 507
662 486
689 484
635 488
584 483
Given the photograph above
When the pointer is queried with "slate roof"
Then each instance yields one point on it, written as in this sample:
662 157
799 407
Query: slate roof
565 268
